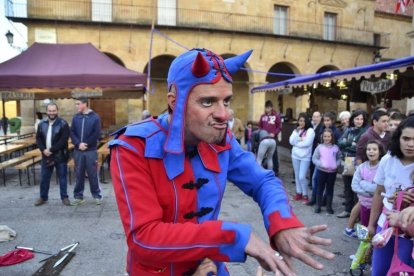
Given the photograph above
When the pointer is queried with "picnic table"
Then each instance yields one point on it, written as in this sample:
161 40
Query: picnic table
7 148
25 141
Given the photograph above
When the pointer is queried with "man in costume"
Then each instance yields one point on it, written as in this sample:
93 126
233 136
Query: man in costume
170 173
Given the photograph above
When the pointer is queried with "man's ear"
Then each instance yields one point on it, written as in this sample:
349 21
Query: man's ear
171 100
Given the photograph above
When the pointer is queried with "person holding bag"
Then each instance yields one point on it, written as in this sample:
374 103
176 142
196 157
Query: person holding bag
394 174
348 145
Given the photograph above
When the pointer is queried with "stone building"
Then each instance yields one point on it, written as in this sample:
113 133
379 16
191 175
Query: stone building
288 38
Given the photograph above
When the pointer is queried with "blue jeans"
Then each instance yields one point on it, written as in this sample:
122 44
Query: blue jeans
300 168
46 174
86 162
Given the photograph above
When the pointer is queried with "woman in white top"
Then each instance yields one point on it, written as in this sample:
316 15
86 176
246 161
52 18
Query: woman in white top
394 173
302 139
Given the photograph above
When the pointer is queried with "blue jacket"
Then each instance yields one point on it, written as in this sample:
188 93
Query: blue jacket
86 128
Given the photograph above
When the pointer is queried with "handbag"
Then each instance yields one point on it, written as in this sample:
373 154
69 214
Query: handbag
398 267
349 166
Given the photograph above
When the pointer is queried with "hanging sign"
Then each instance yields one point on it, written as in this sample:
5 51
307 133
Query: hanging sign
11 95
88 93
378 86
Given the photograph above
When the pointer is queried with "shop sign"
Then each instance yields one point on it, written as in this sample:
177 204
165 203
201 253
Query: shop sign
378 86
88 93
11 95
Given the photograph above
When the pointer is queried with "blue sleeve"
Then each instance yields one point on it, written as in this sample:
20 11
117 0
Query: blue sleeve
73 135
92 139
262 185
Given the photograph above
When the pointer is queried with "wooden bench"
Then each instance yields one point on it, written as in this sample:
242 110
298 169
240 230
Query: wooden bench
25 166
10 163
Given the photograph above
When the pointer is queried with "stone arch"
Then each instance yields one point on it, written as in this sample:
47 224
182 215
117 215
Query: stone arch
240 101
327 68
281 102
159 71
115 58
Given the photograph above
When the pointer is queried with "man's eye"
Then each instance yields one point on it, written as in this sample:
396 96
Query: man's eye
206 102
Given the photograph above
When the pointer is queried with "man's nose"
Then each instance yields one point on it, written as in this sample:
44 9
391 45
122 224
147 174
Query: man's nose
221 112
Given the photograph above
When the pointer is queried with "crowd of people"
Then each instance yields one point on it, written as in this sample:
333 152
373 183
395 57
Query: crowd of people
375 158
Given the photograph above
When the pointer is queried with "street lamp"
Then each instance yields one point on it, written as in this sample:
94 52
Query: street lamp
377 56
9 36
10 39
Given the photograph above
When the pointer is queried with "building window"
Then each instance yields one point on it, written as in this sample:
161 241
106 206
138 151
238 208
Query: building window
167 12
102 10
280 20
329 30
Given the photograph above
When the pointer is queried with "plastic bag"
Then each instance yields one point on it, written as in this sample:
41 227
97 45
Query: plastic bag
381 238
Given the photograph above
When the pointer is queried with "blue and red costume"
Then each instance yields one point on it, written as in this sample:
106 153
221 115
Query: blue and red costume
169 194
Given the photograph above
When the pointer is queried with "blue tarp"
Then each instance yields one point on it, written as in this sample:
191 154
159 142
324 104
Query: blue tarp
355 72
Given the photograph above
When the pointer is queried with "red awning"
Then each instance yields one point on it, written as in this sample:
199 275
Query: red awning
66 66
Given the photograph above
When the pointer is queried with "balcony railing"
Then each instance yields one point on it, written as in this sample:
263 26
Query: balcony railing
106 11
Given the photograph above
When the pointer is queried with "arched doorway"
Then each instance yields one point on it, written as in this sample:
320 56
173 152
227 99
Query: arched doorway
285 104
240 101
158 92
323 95
107 108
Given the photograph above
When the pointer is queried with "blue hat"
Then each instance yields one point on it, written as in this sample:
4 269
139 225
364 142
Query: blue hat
197 66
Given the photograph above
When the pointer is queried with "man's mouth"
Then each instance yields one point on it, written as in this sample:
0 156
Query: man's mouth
219 125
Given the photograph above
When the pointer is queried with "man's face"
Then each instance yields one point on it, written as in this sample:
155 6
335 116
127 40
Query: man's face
393 124
80 106
327 122
382 124
207 113
316 118
52 112
268 110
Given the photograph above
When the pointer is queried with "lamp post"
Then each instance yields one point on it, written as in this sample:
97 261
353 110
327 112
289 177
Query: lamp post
10 39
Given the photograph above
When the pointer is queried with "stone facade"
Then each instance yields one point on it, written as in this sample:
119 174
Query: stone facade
228 27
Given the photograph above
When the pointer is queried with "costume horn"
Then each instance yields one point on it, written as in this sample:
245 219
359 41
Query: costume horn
200 66
233 64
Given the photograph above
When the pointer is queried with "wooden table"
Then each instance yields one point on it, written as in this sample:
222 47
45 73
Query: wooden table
36 152
7 148
25 141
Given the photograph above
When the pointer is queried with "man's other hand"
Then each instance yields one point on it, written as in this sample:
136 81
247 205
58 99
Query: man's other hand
268 258
299 242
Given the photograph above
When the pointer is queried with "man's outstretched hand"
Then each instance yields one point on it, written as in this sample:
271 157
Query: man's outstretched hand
300 242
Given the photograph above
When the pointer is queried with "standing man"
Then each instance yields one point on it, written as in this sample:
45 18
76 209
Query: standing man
169 174
236 126
85 131
317 126
272 123
52 137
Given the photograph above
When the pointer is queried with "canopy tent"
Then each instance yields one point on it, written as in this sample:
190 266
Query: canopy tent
366 71
58 69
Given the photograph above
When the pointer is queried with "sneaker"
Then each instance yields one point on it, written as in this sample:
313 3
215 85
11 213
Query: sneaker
66 201
344 214
297 197
98 201
350 233
77 201
40 201
305 199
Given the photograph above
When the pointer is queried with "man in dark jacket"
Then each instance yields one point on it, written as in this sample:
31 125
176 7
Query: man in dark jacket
85 131
52 139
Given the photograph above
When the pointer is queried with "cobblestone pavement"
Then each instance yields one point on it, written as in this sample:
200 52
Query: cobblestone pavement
102 242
